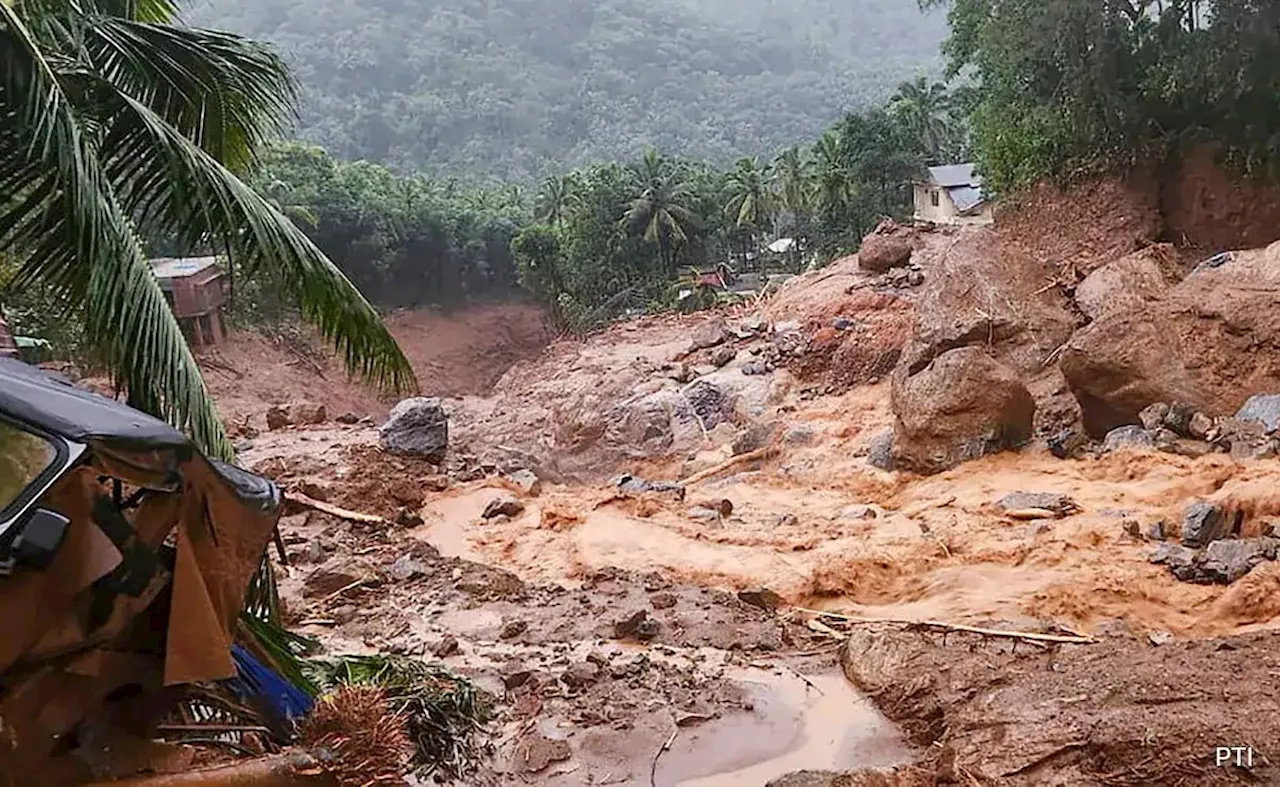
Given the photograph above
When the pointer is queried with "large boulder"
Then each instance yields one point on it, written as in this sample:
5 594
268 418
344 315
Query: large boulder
963 405
1210 342
1119 365
1127 283
888 246
417 427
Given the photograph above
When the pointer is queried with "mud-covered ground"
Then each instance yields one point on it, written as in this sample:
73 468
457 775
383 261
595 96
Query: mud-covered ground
764 626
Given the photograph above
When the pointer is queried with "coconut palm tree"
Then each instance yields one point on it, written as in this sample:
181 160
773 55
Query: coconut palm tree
117 123
926 111
752 202
660 212
556 198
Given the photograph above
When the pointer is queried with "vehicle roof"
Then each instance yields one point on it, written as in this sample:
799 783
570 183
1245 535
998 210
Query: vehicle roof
54 405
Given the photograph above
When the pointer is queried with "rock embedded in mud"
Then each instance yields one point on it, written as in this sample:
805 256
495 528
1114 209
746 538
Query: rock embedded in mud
581 675
858 512
406 567
1227 560
723 356
527 482
638 626
417 427
1152 417
1180 560
503 505
961 406
703 514
1203 523
880 452
1199 426
754 438
307 413
1057 504
277 418
709 334
889 245
1263 409
799 434
762 598
513 628
710 403
1128 437
350 419
446 647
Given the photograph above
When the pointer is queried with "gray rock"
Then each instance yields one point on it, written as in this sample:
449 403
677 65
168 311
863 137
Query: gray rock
880 453
755 437
842 323
1199 426
527 481
722 356
703 514
763 598
1061 505
915 278
709 402
636 484
503 505
1178 419
755 368
1128 437
788 326
1227 560
581 675
1153 416
417 427
1156 531
1064 444
858 512
710 334
350 419
406 568
1175 556
800 434
1202 523
1262 408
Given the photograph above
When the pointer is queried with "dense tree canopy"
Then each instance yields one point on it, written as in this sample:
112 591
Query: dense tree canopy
1083 85
524 89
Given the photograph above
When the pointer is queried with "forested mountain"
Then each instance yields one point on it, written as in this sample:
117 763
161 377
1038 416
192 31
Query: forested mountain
518 89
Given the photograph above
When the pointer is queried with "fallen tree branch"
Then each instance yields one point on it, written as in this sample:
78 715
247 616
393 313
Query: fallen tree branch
282 770
750 456
1030 636
341 513
653 769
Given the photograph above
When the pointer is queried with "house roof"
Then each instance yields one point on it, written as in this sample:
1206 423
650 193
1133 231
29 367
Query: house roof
181 267
961 183
953 175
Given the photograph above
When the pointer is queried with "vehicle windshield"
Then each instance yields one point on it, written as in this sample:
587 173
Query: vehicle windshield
23 458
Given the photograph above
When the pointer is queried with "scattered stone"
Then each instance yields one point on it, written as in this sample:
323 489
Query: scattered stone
408 517
664 600
842 323
637 626
636 484
754 438
880 453
723 434
315 552
445 647
1064 444
517 677
277 418
703 514
417 427
1227 560
786 327
709 334
527 482
1180 560
406 567
1203 523
307 413
755 324
763 598
1056 504
709 402
343 614
1128 437
350 419
1153 416
1170 443
1178 419
799 434
723 356
703 369
755 368
580 675
858 512
1199 426
787 520
503 505
1132 528
1156 532
1159 638
1262 408
513 628
915 278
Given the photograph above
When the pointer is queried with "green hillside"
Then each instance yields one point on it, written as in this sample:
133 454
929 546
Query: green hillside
520 88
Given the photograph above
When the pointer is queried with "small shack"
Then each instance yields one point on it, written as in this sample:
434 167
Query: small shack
952 195
193 286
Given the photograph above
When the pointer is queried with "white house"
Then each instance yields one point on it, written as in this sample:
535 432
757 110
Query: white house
952 195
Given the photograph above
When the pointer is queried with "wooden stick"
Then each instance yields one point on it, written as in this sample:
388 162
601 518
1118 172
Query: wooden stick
760 453
653 769
341 513
937 624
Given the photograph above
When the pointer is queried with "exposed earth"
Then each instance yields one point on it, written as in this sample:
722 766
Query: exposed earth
912 537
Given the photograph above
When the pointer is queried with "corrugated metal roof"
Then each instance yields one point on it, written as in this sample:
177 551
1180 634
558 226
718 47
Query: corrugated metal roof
179 268
966 198
953 175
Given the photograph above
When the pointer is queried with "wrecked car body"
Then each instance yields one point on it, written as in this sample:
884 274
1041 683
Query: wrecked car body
125 555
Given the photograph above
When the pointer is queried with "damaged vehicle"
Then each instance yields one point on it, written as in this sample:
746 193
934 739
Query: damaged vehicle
125 555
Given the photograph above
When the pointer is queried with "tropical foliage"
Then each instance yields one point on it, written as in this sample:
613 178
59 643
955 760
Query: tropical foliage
117 124
1076 86
520 90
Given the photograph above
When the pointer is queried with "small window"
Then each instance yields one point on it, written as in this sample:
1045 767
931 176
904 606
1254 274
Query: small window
24 458
933 198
